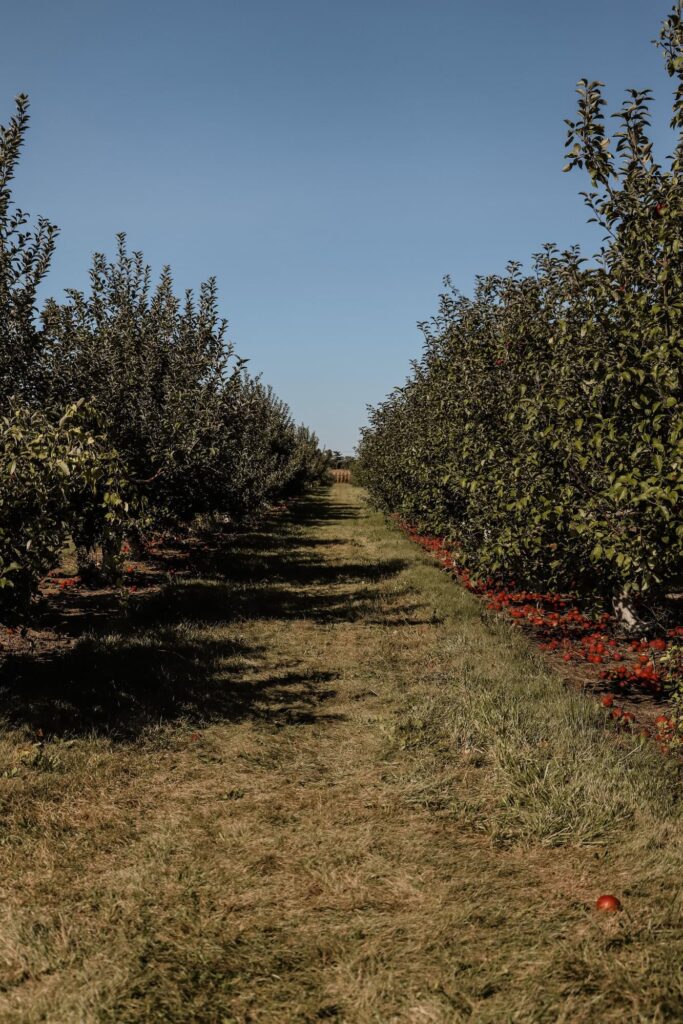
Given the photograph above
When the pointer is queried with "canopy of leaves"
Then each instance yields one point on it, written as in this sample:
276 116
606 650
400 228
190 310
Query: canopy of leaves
58 480
123 406
542 428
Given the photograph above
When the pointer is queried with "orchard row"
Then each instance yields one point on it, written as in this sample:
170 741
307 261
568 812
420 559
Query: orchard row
123 409
541 431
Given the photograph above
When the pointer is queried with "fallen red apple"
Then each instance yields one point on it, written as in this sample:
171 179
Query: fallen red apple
608 903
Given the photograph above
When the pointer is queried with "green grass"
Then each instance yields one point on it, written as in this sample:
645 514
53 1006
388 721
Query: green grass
317 782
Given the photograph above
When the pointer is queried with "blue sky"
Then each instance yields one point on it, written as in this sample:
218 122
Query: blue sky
328 161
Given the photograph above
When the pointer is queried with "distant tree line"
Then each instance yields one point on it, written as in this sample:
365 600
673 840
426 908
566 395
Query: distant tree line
338 461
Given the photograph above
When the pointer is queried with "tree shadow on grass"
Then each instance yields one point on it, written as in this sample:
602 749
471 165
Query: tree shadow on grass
120 686
214 603
316 511
163 658
295 567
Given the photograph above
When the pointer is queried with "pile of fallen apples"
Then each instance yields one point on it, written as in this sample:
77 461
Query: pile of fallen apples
561 628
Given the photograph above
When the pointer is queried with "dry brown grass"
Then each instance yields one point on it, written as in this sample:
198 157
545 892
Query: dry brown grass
326 789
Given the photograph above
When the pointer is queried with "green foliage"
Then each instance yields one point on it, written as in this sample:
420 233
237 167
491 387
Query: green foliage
339 461
196 432
154 367
162 416
542 427
671 666
261 455
58 480
24 260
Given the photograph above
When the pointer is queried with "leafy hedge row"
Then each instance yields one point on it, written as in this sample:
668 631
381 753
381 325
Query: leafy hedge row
542 429
58 480
122 408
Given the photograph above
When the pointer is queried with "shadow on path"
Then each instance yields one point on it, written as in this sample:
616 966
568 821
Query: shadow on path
165 659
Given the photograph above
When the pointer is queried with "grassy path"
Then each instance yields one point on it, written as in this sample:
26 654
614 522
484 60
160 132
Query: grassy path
336 793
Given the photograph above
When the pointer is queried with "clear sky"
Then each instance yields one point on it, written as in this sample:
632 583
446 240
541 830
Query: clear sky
328 160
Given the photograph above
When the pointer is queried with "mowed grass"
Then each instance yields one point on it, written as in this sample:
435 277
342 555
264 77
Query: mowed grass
316 783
